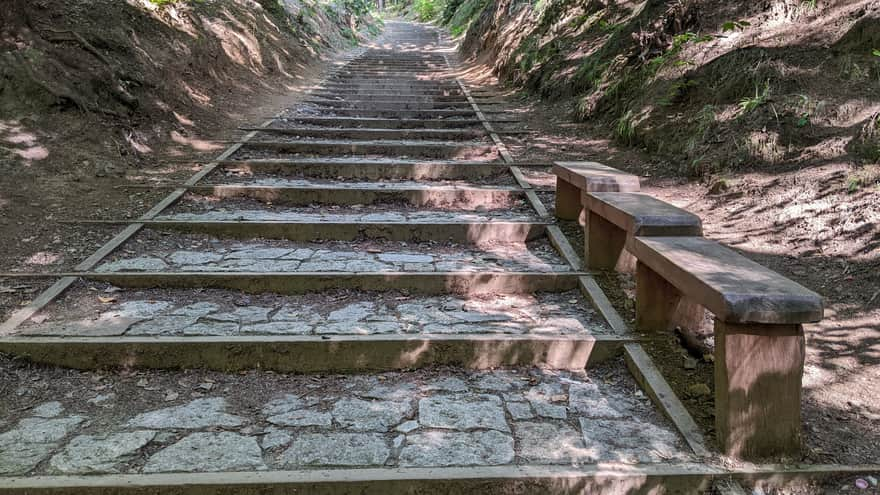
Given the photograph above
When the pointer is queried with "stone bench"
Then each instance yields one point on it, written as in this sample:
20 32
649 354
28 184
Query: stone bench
759 338
612 218
573 179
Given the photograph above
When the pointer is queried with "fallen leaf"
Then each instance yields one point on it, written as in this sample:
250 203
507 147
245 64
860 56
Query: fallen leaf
107 300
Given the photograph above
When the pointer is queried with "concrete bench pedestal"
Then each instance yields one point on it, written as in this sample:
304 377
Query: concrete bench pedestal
759 338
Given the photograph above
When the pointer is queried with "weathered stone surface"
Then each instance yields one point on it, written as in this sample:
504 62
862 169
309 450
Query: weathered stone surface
352 312
399 392
547 410
143 264
200 413
499 382
449 384
274 438
406 258
195 310
208 452
552 443
302 417
520 410
90 454
247 314
377 415
337 449
194 257
163 325
437 449
462 412
408 426
211 328
259 253
630 440
140 309
276 328
587 400
31 441
48 410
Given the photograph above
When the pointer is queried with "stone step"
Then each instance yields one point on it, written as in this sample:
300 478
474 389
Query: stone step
397 113
371 170
383 103
157 251
382 123
375 133
321 331
360 433
386 95
404 92
297 192
464 150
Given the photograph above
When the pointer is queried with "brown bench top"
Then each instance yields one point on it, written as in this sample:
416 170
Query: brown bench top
734 288
592 176
641 214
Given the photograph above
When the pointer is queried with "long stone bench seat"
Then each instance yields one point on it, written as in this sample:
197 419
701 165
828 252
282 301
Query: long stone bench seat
573 179
759 338
613 217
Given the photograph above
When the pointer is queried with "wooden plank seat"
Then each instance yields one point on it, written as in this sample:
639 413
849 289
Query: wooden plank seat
759 337
573 179
613 217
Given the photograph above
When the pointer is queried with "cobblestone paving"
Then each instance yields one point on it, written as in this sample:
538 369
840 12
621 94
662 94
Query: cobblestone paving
294 257
426 419
516 314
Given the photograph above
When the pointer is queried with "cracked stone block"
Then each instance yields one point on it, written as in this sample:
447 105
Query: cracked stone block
195 310
90 454
31 441
248 314
337 449
552 443
274 438
142 264
210 329
405 258
194 257
438 449
276 328
48 410
208 452
449 384
352 312
163 325
399 392
377 415
140 309
200 413
259 254
587 400
520 410
462 412
630 440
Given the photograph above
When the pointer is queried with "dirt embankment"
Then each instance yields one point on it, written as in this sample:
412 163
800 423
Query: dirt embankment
97 94
761 117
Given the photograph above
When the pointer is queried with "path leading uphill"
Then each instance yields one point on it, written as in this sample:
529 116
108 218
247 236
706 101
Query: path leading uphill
376 229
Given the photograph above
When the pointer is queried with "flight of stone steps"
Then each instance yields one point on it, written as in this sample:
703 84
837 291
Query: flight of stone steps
378 229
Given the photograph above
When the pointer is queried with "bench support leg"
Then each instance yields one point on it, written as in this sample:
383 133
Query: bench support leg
661 307
568 200
604 247
758 371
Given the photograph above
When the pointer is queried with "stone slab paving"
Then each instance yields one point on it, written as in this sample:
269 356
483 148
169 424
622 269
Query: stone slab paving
427 418
292 215
366 186
153 252
224 313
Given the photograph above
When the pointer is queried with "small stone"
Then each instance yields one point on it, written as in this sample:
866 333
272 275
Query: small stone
208 452
698 390
89 454
462 412
101 399
398 441
48 410
690 363
337 449
498 382
437 449
200 413
408 426
547 410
